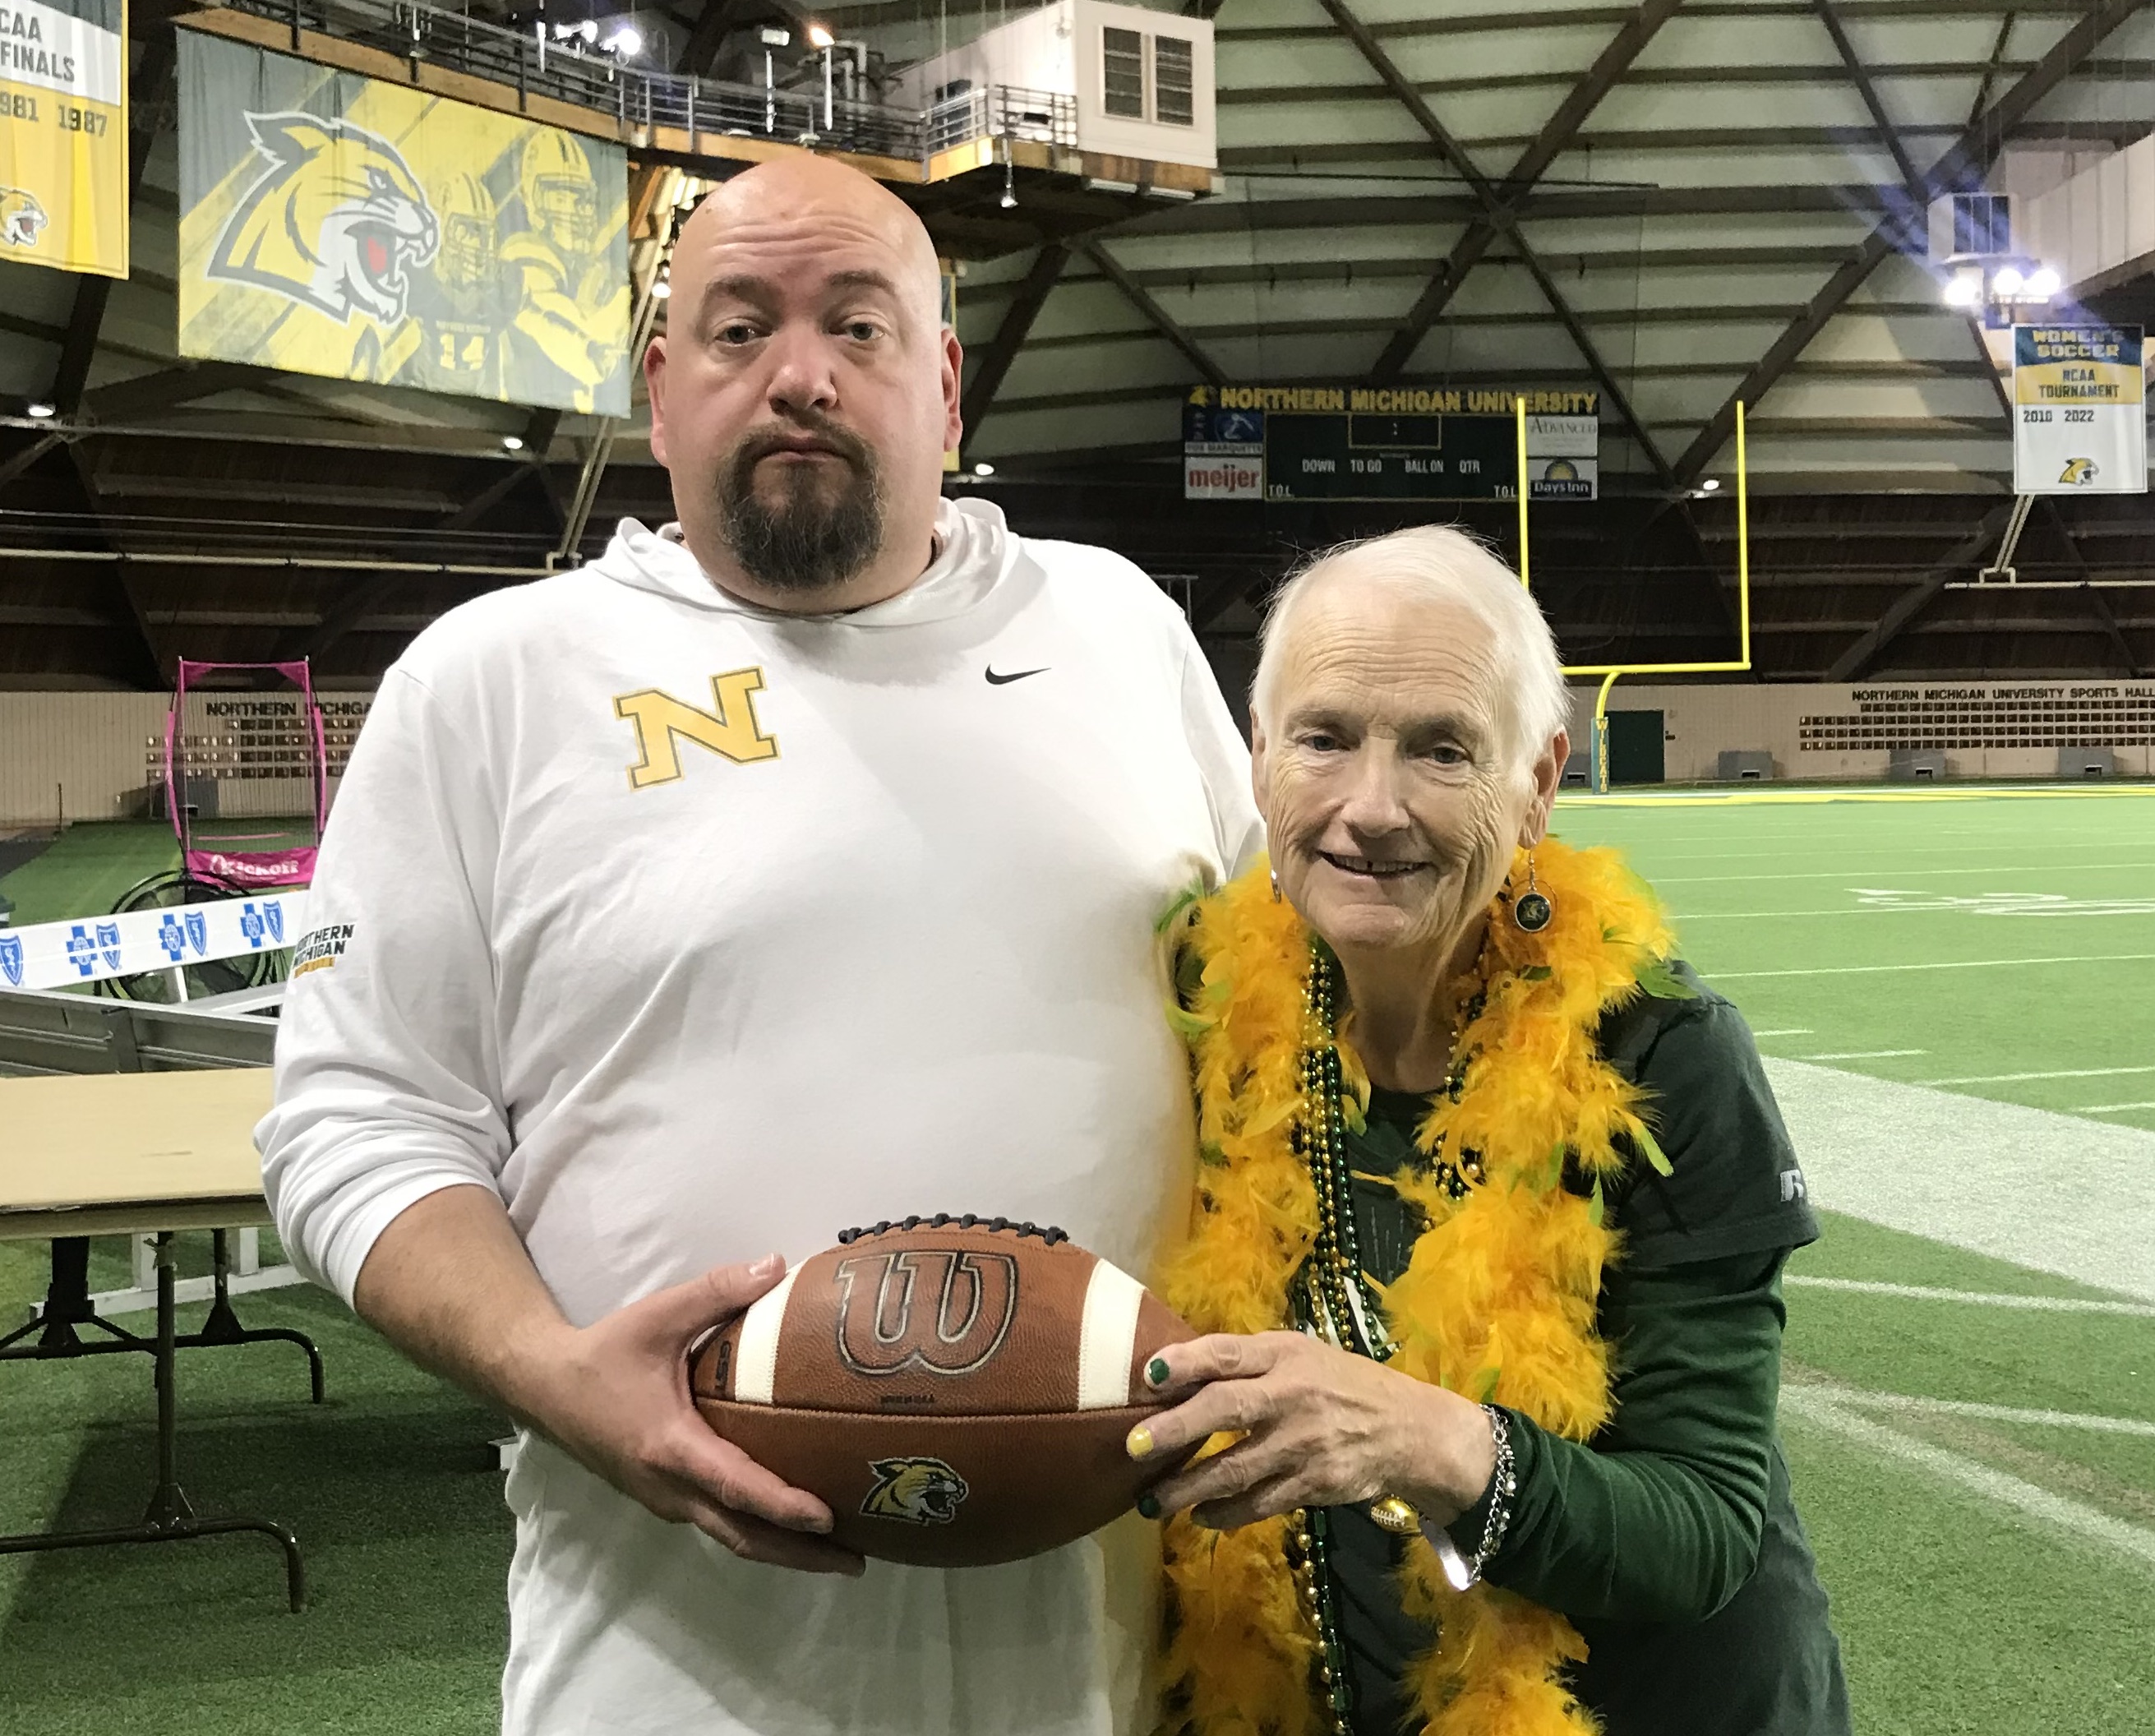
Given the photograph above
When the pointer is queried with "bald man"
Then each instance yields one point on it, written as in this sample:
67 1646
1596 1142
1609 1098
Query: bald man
789 867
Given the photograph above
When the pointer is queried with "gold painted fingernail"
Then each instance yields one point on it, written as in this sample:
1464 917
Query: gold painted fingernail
1138 1443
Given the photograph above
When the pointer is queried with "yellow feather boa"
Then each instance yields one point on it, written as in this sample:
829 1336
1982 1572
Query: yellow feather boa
1497 1302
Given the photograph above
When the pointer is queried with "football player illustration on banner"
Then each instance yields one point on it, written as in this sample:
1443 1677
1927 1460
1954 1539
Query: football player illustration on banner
332 224
572 309
459 307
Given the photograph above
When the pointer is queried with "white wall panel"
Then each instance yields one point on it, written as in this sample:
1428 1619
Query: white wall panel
73 755
1701 721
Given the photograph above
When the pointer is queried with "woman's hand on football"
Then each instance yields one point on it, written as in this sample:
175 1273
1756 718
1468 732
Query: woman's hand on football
1319 1427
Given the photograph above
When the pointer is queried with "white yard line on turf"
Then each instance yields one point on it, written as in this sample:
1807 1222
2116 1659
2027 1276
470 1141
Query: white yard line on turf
1908 1404
2112 1108
2062 1193
1788 1030
1971 908
1985 1298
2058 1513
2103 958
1865 1054
2014 1079
1838 874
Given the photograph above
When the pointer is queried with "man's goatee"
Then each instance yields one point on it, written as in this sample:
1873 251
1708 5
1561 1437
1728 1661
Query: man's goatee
812 539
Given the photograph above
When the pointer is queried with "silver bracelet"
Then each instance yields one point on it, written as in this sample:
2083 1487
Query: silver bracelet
1458 1571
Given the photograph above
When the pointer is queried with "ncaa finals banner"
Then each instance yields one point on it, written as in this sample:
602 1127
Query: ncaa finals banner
63 134
335 224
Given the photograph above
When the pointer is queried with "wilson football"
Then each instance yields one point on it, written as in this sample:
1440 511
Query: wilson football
957 1389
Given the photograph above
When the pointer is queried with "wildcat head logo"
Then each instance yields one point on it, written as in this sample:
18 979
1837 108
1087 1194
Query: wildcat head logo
2079 472
333 222
920 1491
23 219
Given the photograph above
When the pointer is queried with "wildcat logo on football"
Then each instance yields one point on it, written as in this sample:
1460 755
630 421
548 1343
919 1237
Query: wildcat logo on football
333 223
920 1491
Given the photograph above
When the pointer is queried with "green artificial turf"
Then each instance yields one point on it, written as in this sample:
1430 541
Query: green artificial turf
1959 1615
1762 890
88 867
391 1487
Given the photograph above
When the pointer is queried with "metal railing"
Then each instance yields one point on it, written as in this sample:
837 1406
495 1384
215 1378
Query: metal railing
1000 111
584 78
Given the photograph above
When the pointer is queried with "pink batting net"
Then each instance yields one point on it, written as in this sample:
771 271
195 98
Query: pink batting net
218 860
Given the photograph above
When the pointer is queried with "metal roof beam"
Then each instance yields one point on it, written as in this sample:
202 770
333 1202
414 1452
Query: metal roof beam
78 348
146 394
1990 69
366 598
1852 664
1976 147
1888 135
149 660
1010 337
1453 204
2098 604
1164 322
1500 217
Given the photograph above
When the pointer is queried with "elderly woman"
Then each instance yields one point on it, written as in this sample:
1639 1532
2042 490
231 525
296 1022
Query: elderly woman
1488 1236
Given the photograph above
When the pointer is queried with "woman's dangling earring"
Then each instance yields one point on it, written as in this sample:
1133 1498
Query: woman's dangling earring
1532 910
1275 891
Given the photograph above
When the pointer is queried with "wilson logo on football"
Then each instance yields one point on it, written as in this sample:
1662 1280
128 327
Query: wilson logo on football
941 1310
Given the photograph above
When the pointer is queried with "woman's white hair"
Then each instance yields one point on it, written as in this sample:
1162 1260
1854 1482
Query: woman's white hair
1442 565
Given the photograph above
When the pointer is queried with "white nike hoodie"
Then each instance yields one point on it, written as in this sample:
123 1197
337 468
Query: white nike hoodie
696 931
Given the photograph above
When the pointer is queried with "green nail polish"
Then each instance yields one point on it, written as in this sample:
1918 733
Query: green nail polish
1156 1371
1149 1506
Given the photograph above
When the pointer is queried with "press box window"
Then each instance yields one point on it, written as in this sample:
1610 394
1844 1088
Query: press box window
1174 95
1164 92
1124 58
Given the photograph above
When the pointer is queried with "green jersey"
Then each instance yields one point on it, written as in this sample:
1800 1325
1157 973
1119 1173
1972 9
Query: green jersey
1670 1540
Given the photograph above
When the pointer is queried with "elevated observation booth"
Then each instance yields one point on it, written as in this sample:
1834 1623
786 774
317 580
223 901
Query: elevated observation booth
1062 121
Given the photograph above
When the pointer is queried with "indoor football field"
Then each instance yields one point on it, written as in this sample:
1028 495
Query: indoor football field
1950 987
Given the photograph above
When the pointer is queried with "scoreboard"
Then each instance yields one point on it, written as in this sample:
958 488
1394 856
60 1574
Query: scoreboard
1258 443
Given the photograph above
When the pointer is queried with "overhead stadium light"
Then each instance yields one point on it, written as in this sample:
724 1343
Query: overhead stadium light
663 286
819 38
776 38
2007 280
625 42
1963 291
984 469
2044 285
1710 484
42 411
512 443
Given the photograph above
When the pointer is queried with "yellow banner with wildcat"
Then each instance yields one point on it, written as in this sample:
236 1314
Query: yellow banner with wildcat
338 225
63 134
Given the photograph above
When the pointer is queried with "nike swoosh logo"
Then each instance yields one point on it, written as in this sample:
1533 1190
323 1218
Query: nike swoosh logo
995 680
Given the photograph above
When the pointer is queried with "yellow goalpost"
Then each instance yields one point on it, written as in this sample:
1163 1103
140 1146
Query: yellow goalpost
1598 776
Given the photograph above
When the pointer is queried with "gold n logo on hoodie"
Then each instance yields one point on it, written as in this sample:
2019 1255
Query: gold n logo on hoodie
729 728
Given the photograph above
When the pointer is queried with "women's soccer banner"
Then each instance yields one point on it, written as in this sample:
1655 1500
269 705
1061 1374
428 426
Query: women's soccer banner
335 224
2080 412
63 134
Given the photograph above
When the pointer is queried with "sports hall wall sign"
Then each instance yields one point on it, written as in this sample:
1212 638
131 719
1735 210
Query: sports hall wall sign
1341 442
63 134
2000 715
2079 411
333 224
